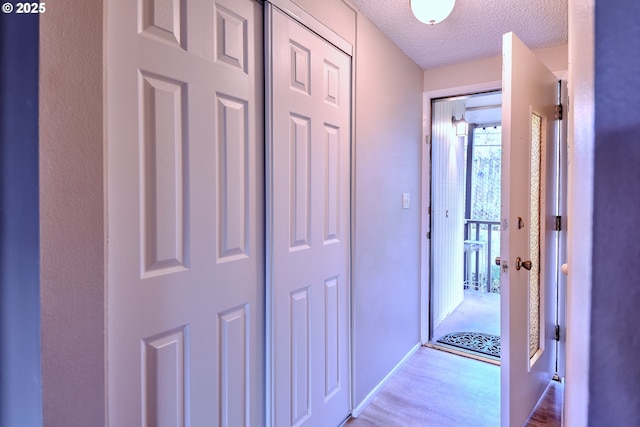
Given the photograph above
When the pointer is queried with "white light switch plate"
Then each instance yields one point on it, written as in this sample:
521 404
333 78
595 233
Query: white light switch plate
406 200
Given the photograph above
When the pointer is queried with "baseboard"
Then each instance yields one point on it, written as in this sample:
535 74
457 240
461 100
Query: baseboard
367 400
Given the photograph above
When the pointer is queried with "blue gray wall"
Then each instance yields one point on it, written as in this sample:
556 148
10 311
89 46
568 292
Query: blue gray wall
20 373
614 387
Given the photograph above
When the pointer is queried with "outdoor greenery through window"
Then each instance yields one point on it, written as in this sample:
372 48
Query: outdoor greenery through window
485 173
483 159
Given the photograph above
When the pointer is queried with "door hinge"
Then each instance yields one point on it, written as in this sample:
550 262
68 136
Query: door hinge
558 223
429 235
557 112
557 335
429 210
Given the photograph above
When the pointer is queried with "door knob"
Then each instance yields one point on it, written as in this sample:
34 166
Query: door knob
497 261
524 264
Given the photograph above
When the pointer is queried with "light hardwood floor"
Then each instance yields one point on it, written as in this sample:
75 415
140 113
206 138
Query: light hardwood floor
438 389
548 412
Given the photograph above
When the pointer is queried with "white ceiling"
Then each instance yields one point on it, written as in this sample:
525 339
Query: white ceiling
473 30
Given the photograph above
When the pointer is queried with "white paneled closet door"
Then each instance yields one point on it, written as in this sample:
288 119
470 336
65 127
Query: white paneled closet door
310 219
185 213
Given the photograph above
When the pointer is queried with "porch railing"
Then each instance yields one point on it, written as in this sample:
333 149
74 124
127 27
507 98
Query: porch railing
481 246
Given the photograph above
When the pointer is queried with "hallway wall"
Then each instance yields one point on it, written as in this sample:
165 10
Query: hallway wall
480 72
72 232
387 237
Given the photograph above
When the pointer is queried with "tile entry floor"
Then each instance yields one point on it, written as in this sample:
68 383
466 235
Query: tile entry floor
478 312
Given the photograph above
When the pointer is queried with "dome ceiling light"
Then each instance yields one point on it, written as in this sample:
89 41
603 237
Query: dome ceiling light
432 11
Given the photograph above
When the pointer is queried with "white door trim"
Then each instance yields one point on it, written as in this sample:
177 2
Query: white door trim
313 24
425 256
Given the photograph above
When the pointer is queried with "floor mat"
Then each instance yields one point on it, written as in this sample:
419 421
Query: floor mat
474 341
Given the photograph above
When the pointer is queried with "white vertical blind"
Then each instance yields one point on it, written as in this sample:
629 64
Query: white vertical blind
447 210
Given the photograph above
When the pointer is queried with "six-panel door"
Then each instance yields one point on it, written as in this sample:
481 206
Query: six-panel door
185 213
311 234
529 192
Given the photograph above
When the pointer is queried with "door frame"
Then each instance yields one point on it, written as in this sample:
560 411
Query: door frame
426 267
425 218
301 16
563 200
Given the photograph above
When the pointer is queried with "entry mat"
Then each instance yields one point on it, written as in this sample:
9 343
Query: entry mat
474 341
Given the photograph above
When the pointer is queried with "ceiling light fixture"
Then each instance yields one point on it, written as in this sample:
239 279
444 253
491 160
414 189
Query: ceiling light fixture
432 11
461 125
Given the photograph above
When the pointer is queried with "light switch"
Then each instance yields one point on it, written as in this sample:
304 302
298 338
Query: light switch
406 201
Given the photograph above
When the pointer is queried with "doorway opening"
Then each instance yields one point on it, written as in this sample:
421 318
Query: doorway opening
465 225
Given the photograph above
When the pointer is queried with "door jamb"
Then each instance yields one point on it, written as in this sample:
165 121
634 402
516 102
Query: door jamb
562 203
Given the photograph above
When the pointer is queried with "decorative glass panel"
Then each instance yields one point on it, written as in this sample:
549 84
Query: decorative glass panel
534 235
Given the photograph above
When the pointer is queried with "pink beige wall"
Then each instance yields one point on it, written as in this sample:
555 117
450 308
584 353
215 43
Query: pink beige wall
386 261
489 70
71 214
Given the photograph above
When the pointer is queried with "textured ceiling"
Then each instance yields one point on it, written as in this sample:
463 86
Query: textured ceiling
473 30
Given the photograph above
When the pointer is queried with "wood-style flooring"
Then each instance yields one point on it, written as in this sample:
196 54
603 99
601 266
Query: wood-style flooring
548 411
439 389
